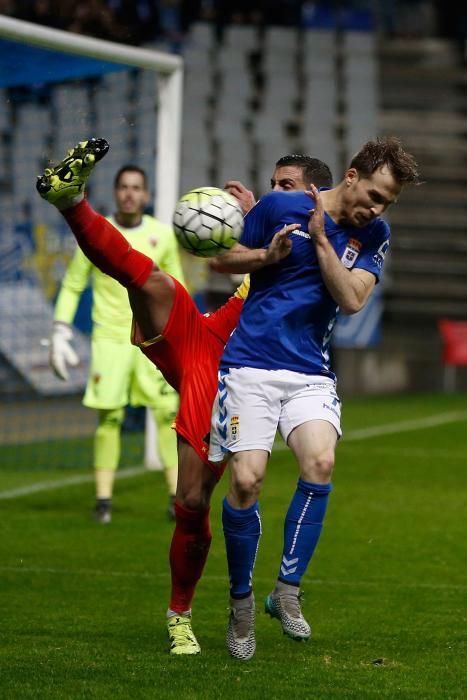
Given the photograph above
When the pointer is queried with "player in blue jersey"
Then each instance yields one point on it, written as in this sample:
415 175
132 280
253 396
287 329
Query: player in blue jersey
275 372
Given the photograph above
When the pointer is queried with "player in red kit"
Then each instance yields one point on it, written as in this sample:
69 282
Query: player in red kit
184 344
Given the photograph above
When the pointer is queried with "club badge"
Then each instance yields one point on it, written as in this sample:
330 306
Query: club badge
351 252
235 427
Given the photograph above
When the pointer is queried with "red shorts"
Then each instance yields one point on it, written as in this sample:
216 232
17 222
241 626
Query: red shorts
188 353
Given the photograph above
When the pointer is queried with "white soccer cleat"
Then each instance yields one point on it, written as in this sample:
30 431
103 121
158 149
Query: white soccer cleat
285 606
241 640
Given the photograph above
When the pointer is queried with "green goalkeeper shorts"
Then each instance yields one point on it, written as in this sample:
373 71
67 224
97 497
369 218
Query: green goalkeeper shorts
120 375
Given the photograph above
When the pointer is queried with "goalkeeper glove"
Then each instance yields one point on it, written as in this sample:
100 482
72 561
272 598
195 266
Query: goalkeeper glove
61 352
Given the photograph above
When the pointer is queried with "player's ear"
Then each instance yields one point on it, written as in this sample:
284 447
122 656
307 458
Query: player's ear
351 175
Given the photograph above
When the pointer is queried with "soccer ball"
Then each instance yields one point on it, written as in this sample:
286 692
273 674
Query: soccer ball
207 221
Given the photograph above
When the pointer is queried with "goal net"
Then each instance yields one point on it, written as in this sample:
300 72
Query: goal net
56 89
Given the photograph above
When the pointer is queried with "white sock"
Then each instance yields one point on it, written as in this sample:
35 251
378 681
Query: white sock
170 613
69 203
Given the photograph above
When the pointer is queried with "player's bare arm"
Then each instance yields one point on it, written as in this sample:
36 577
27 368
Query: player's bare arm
245 197
350 289
241 259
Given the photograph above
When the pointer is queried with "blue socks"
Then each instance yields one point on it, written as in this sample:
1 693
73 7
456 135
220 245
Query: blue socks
302 529
242 530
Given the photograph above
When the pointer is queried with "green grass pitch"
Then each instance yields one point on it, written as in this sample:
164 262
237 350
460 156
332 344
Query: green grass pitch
82 606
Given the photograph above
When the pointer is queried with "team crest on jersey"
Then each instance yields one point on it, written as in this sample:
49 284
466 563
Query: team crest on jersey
152 240
351 252
235 427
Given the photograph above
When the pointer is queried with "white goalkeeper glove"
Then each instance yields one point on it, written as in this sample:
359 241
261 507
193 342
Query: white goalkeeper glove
61 353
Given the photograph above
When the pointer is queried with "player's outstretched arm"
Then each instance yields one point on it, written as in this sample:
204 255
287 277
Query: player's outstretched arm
61 352
241 259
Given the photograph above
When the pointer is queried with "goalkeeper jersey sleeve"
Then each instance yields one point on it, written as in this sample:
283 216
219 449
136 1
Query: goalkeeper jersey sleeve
73 285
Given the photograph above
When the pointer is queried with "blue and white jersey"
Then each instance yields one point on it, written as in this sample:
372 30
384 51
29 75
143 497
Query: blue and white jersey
288 316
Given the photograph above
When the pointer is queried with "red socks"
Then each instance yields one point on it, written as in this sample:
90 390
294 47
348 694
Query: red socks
105 246
188 553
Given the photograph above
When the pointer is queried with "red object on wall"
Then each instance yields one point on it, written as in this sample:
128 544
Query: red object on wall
454 336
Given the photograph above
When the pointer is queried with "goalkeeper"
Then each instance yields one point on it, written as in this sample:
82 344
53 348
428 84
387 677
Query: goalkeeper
119 373
183 343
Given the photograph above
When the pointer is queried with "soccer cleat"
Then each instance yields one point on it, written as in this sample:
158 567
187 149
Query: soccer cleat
285 606
181 637
103 510
61 184
240 638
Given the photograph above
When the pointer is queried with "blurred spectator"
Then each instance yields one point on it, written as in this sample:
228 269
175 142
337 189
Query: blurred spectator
95 18
171 24
8 7
138 20
41 12
190 11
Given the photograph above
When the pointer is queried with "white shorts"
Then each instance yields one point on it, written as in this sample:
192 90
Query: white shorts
251 404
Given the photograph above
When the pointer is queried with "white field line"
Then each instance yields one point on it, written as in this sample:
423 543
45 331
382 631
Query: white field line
69 481
399 427
359 434
146 575
407 425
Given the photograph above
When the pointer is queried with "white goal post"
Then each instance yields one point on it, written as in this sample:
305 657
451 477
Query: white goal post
170 87
169 68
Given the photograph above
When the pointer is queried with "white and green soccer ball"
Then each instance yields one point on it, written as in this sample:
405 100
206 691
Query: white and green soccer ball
207 221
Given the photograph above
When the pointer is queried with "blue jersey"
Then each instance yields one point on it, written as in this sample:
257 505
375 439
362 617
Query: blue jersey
288 316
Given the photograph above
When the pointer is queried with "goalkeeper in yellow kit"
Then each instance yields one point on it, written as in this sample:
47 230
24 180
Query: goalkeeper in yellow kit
119 373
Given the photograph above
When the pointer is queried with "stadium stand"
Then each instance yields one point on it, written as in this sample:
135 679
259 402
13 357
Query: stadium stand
424 100
252 93
23 307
